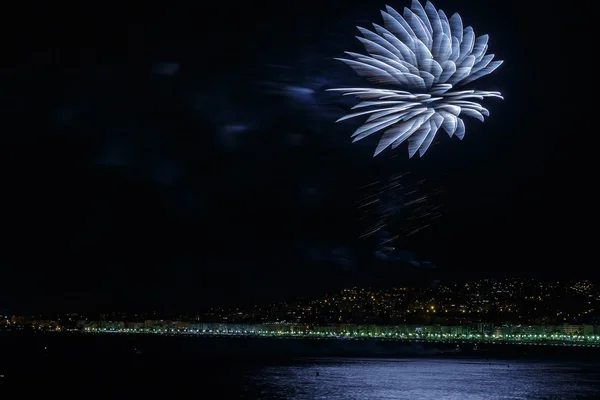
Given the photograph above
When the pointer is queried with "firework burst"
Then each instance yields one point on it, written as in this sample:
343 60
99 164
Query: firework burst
428 56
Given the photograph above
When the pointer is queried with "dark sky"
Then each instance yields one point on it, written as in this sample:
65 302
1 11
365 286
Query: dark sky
177 157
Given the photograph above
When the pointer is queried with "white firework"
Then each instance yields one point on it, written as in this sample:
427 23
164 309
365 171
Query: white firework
428 56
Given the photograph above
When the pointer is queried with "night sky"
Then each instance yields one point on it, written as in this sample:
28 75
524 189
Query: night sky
176 157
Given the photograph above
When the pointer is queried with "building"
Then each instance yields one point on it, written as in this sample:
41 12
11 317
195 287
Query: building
567 329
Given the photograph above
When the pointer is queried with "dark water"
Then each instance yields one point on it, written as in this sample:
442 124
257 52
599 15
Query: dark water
108 367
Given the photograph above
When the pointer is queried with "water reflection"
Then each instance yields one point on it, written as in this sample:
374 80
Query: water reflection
423 379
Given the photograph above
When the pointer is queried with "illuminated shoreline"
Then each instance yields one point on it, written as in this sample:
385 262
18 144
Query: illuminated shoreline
539 340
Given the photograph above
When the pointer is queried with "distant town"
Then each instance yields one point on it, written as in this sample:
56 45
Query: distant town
511 310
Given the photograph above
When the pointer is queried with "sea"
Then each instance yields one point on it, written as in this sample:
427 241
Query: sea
78 366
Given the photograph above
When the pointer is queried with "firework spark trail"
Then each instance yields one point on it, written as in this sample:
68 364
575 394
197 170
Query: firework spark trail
398 204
